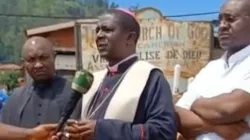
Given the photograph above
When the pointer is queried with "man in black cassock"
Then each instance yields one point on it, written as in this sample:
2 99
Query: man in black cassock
42 100
112 110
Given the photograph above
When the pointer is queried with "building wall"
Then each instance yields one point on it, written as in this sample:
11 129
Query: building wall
62 38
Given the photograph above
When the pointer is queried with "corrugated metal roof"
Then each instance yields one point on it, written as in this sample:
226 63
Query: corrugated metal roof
55 27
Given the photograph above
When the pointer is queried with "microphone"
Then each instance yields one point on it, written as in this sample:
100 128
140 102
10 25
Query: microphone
81 84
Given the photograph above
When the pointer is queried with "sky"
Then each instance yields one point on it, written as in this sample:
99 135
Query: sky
178 7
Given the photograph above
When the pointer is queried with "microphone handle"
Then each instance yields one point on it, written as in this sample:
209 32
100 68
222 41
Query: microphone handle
75 97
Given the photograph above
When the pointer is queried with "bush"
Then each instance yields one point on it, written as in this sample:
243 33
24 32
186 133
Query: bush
10 78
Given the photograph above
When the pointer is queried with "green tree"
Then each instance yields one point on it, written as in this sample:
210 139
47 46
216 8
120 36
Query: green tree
12 28
10 78
134 8
113 5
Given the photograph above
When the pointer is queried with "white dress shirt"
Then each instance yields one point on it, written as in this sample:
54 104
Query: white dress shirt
218 77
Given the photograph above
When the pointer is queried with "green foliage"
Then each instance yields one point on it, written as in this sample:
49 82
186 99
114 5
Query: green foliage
134 8
12 28
9 78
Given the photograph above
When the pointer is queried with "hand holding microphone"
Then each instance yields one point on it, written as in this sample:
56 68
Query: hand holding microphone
81 84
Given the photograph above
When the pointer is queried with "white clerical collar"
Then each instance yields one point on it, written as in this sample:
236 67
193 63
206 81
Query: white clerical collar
114 68
238 56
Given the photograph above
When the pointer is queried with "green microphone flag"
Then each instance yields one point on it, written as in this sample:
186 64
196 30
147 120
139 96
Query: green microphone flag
82 81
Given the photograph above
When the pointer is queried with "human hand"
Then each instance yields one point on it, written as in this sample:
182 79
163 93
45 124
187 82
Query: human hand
42 132
82 130
232 131
58 136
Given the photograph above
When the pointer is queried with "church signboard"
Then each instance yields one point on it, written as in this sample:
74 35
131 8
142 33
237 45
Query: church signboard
162 42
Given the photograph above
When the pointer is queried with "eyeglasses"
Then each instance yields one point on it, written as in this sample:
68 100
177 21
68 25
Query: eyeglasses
227 18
